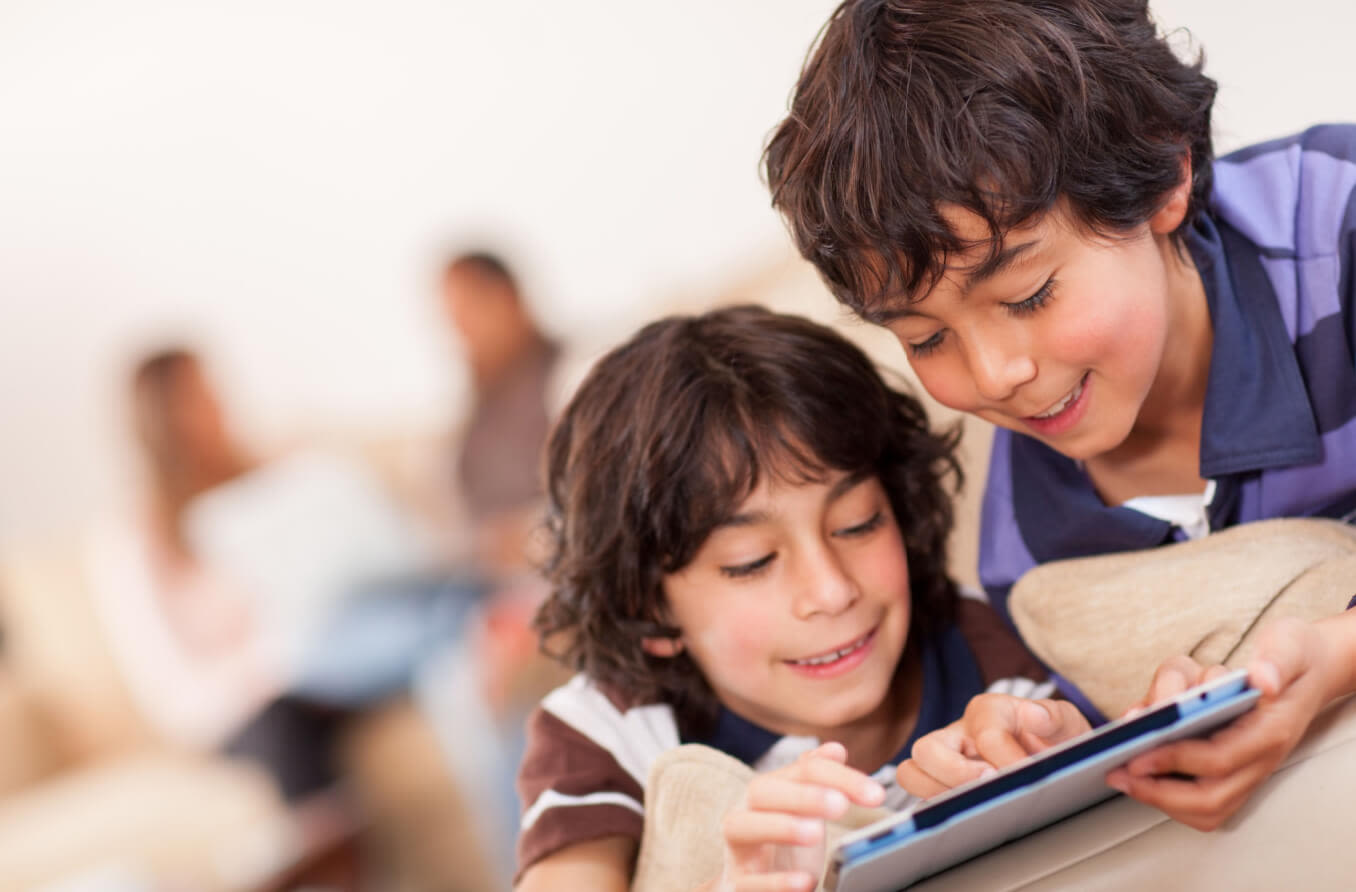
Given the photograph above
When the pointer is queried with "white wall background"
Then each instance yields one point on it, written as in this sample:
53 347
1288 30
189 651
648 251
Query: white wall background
277 180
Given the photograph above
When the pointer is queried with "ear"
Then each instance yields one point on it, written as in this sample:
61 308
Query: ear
1173 211
662 647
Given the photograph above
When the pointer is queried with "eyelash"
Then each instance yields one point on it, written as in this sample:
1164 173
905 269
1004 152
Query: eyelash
742 571
1020 308
753 567
861 529
926 347
1035 301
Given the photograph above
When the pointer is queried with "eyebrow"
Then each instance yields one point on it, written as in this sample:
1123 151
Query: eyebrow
839 489
997 262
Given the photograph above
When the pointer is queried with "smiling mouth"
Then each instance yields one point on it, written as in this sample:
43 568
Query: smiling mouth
1069 399
834 656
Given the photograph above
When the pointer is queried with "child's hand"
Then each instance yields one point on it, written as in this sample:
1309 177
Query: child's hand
996 730
1299 667
788 807
1174 676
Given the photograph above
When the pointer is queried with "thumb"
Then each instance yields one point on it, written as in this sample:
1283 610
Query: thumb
1035 717
1280 657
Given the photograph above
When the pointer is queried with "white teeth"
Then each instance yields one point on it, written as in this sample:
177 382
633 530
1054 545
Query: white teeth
1064 403
831 657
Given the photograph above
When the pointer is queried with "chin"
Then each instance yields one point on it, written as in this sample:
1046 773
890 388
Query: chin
869 698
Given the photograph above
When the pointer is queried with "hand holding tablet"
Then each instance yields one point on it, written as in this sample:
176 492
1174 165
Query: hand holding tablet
1027 794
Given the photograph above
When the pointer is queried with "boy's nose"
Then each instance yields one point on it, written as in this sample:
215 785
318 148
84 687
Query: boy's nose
998 368
825 587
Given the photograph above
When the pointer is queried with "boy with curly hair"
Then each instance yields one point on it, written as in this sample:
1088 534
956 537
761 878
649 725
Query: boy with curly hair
749 551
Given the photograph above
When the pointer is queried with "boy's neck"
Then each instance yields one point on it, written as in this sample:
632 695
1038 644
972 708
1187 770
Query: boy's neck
877 738
1161 456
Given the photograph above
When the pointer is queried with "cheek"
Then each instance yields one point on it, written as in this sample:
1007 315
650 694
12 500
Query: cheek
1123 337
1127 319
737 637
947 381
883 569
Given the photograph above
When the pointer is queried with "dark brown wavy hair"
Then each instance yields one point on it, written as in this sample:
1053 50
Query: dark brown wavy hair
666 438
1000 107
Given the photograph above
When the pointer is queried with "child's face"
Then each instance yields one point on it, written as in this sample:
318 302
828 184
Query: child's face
797 610
1075 342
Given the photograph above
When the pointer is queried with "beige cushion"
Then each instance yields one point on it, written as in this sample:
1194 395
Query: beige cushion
690 789
1107 622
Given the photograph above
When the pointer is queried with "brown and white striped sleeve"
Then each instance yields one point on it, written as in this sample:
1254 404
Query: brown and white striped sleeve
584 771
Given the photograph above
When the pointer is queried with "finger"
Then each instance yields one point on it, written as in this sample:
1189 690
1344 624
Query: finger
989 731
1170 683
918 782
1044 723
741 860
1173 677
782 794
1280 656
1204 804
746 831
1215 672
1250 739
999 747
852 783
786 881
938 756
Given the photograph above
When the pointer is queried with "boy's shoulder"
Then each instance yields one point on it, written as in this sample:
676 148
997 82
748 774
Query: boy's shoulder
1335 140
583 736
1289 196
1002 658
583 710
585 767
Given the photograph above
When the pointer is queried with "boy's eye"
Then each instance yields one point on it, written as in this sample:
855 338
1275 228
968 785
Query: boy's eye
1035 301
863 528
738 570
923 348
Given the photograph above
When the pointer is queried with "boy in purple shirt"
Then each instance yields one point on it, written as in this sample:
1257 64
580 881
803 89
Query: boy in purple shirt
1025 194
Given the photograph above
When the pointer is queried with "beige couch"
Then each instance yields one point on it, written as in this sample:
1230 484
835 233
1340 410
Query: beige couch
89 793
86 786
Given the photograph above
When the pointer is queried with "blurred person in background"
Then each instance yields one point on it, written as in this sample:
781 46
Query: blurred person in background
274 598
280 596
511 363
497 456
480 692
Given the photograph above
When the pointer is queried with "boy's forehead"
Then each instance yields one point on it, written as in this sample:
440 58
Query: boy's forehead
983 255
986 253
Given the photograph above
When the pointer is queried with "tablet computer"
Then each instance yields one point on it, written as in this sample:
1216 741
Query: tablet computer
1026 796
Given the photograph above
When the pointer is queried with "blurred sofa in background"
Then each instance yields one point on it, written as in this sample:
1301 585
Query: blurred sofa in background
90 793
92 799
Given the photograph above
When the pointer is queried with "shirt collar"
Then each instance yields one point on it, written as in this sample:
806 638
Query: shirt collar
1257 410
1257 415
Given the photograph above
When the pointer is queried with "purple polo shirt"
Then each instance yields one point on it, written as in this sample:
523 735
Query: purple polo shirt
1276 251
